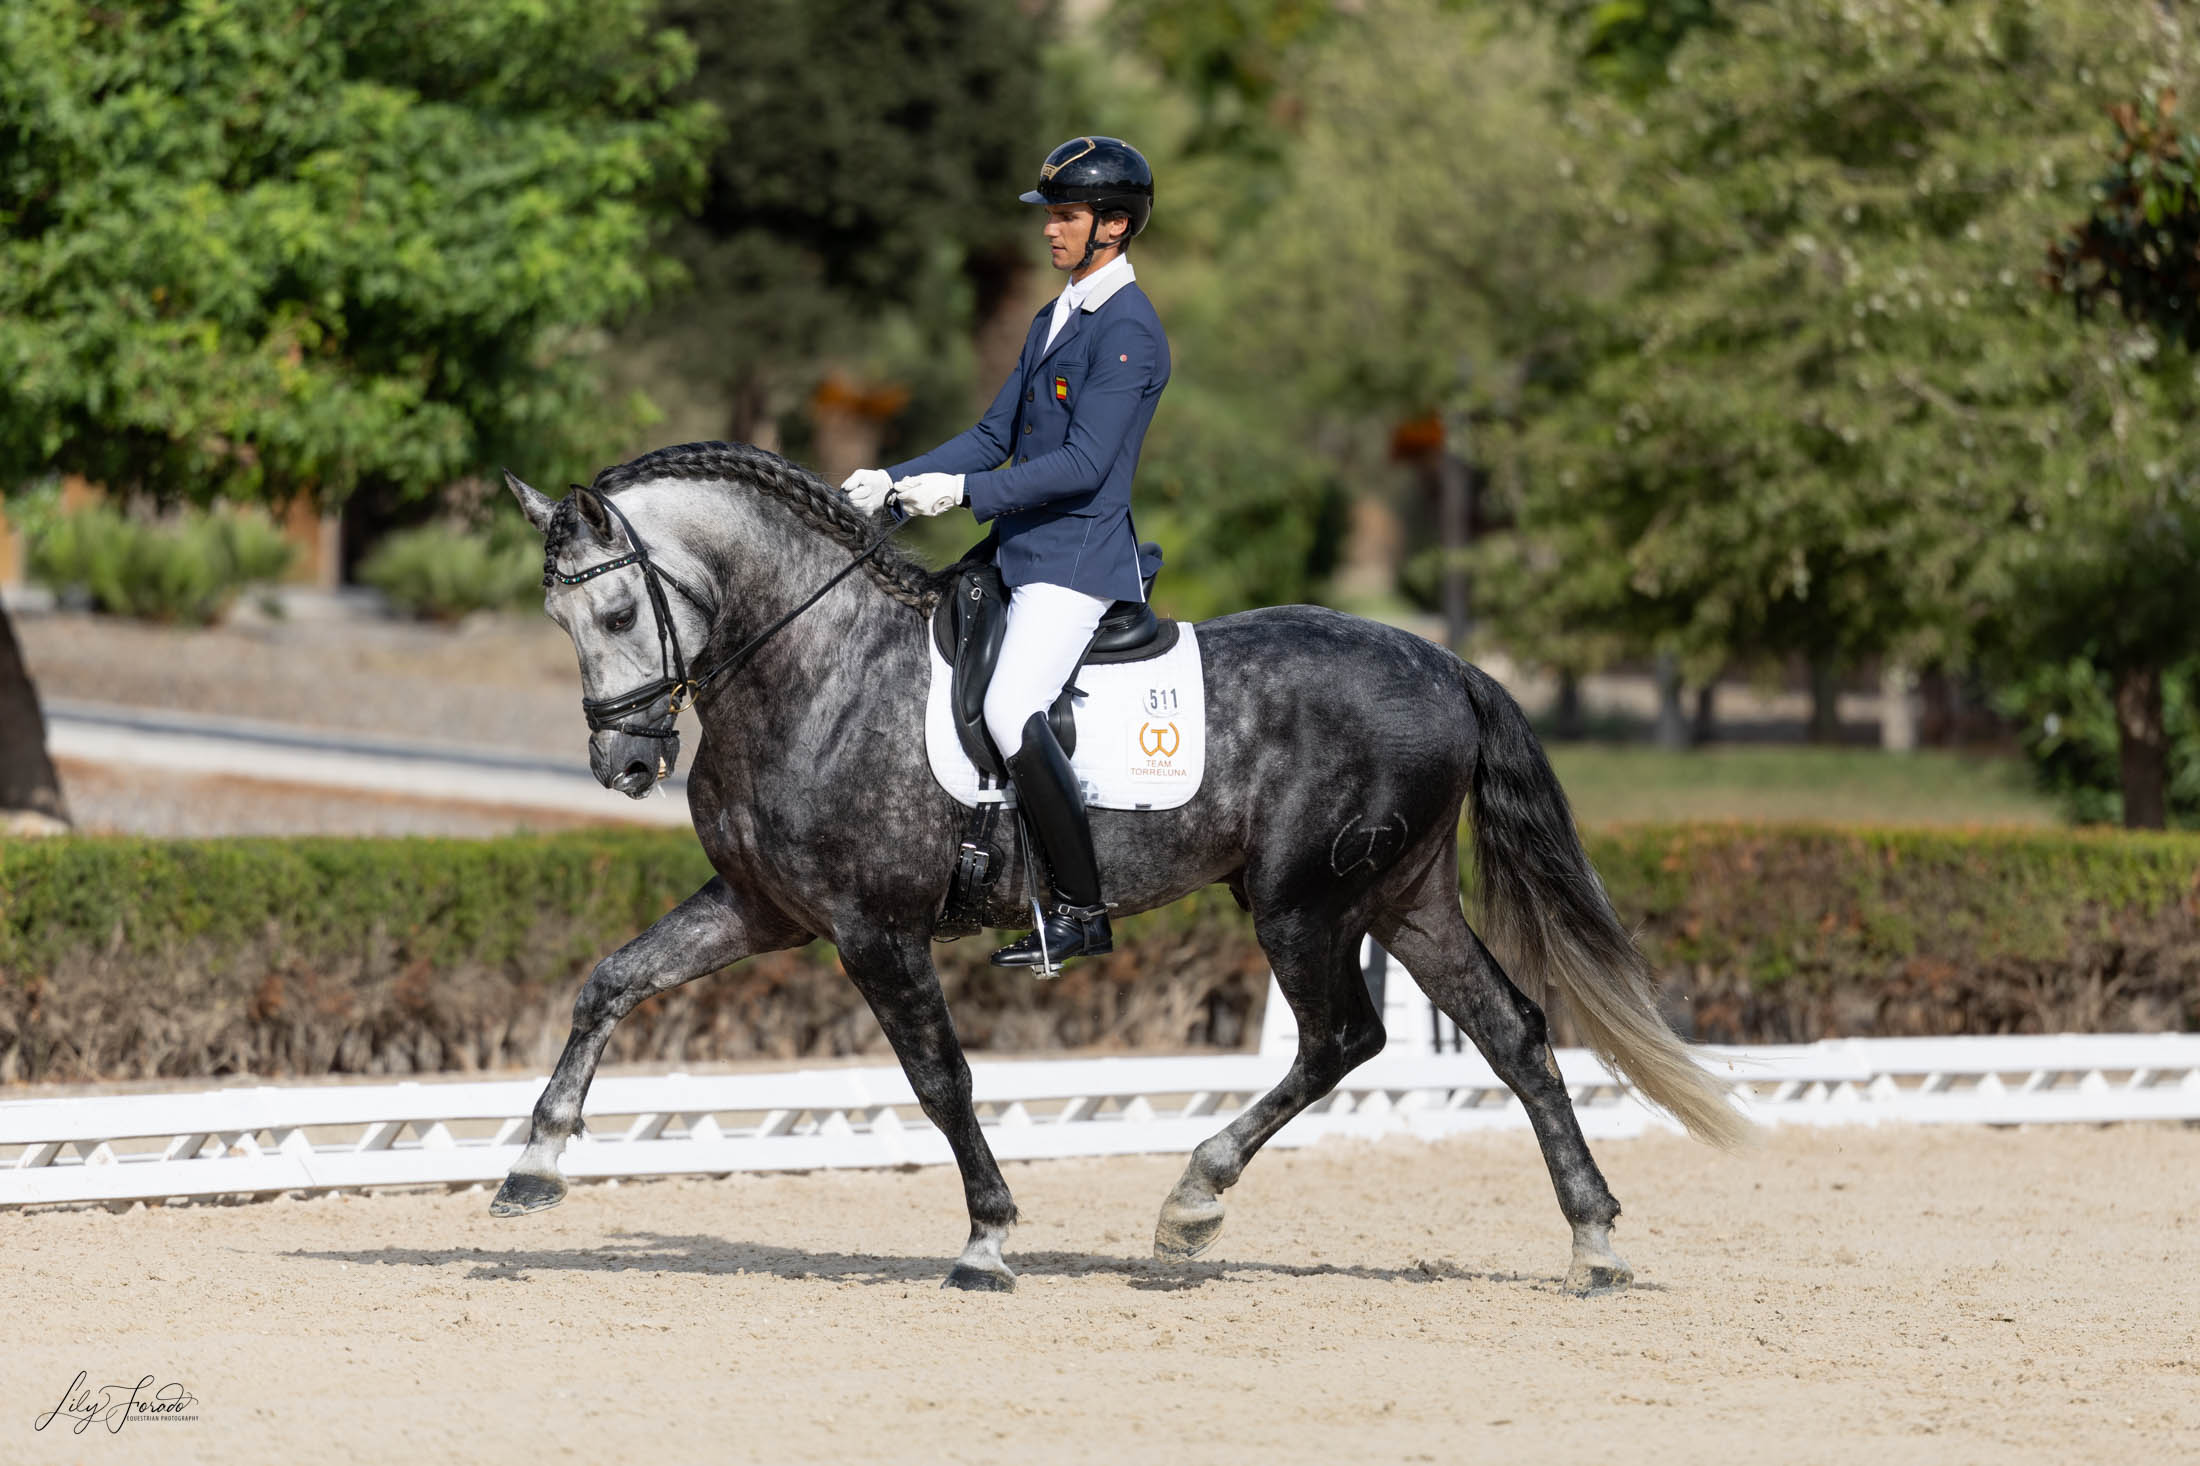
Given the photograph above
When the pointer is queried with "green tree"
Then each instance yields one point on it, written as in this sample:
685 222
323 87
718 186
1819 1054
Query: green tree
1238 62
1826 402
2117 587
1626 44
1423 260
861 212
262 249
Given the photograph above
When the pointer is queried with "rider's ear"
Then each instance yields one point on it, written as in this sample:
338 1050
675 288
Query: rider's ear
597 518
536 505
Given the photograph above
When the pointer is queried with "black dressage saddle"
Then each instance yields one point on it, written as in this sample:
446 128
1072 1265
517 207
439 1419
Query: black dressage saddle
972 619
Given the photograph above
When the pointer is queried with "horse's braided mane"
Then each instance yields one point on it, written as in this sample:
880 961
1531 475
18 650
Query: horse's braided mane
821 507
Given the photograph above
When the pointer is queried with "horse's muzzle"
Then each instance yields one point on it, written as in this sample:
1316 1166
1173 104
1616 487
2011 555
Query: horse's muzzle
630 764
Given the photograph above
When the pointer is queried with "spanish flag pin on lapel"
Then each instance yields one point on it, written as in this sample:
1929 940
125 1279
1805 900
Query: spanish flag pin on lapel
1061 389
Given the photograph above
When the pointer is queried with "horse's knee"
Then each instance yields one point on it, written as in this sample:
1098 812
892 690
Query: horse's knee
602 999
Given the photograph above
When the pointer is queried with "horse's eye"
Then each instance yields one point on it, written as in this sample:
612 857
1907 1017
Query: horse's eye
621 620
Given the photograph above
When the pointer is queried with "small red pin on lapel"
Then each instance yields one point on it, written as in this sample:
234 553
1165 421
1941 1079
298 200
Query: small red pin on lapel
1124 357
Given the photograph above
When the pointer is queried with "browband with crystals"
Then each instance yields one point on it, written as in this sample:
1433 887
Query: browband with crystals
550 575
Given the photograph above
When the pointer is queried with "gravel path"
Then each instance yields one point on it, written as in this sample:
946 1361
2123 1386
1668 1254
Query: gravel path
503 682
1895 1296
111 801
500 681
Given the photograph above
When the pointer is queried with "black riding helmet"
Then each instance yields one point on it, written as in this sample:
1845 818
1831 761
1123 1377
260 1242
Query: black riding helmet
1104 172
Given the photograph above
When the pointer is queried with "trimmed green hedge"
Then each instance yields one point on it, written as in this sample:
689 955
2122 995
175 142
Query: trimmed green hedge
130 958
330 900
125 958
1799 932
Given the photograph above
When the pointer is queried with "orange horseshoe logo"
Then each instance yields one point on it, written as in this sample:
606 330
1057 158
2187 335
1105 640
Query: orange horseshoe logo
1161 742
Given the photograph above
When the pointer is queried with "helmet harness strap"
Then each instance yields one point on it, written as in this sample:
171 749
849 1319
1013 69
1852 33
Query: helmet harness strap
1092 239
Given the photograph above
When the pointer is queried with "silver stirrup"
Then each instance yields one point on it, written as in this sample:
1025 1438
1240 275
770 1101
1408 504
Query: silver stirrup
1048 967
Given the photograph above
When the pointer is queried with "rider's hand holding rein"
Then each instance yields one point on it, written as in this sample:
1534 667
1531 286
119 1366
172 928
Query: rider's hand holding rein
868 489
930 493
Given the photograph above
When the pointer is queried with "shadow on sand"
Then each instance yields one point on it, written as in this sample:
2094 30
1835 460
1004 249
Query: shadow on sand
717 1257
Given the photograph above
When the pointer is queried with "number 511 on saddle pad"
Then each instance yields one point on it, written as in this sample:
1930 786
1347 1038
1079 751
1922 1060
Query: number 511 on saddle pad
1141 731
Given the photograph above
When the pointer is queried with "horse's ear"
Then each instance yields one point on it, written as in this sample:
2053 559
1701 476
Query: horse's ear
596 517
536 505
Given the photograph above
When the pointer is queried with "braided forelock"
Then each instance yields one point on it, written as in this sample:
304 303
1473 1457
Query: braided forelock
563 529
817 505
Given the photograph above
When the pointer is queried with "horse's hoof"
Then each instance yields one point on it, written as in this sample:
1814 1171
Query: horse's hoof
964 1278
1186 1229
523 1192
1598 1275
1596 1267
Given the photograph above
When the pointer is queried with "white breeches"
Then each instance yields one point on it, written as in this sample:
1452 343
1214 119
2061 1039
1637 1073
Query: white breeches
1049 627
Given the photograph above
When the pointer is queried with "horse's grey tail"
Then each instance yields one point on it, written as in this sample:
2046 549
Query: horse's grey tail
1547 917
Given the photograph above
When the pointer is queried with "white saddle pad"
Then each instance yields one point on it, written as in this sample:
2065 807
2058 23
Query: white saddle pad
1141 732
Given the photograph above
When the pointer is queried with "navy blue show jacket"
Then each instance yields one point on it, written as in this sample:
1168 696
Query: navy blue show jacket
1051 462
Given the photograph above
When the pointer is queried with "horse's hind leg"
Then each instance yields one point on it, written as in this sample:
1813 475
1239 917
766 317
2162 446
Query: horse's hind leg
1317 967
1427 931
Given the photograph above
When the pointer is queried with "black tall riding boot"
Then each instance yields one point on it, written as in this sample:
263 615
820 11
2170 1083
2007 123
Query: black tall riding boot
1054 813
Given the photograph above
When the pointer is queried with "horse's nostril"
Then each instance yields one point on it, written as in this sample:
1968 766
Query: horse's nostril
638 770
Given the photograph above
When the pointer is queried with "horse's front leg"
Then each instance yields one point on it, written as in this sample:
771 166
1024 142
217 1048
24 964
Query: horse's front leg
702 934
895 975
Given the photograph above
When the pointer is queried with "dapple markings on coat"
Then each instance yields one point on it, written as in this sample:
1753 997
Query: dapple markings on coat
1341 752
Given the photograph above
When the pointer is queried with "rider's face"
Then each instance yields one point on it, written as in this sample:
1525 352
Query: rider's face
1066 229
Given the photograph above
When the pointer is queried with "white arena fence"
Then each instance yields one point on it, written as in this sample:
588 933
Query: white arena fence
311 1139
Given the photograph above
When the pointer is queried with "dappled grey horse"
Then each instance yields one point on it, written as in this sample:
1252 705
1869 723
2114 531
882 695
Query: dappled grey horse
1340 752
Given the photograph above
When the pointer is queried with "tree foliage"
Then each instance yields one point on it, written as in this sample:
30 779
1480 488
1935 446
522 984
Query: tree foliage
1627 44
1428 193
862 206
2138 247
1236 60
261 248
1833 395
2066 718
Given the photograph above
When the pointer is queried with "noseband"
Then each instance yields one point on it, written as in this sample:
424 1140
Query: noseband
677 684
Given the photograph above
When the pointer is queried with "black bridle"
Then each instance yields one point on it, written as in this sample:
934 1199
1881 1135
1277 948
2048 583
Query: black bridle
680 686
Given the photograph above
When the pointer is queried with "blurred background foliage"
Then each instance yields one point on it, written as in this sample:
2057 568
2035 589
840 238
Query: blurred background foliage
188 568
258 248
1742 338
445 571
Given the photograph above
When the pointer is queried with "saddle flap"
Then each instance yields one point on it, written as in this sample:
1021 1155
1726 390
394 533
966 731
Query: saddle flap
972 621
968 628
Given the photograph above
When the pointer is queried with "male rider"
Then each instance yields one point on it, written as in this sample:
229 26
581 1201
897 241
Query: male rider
1050 467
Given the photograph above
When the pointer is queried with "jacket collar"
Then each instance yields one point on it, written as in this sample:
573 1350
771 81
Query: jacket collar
1102 283
1101 286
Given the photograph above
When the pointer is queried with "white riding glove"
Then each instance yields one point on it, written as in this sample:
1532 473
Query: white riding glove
868 488
930 493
